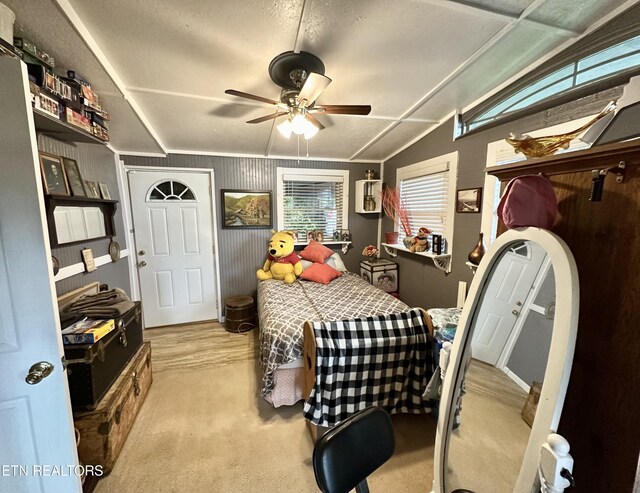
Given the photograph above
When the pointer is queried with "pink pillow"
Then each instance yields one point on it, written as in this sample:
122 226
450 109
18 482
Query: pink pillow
529 201
321 273
316 252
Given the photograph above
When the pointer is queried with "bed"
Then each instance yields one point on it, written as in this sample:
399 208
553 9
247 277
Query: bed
284 308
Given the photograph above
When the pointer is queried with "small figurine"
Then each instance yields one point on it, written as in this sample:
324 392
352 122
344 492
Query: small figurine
420 242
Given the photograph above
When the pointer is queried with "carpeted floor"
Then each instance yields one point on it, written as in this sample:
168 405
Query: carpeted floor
203 427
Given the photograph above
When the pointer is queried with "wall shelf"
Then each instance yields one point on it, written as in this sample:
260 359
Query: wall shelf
345 244
442 261
376 192
108 208
57 129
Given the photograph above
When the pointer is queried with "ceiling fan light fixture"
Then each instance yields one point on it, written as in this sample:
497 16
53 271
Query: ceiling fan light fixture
299 124
311 130
285 128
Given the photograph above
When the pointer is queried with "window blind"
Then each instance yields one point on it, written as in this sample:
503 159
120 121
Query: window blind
312 204
426 200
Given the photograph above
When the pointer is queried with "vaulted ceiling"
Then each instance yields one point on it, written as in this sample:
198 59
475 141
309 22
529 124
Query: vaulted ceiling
161 66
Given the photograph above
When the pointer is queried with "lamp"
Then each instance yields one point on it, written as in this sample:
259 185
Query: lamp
299 124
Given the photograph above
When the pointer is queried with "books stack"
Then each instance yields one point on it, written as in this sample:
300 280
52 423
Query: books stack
87 331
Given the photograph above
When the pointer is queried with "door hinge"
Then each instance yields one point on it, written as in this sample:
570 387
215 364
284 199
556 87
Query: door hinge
64 362
213 249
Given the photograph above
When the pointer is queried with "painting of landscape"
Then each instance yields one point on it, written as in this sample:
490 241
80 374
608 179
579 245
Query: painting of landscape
246 209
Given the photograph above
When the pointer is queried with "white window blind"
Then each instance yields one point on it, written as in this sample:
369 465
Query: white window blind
428 190
426 198
313 200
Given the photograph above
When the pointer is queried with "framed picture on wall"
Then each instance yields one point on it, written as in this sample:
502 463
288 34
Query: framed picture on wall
53 175
469 200
246 209
74 177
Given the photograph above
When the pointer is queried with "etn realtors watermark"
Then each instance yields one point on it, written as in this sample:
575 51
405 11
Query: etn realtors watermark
49 470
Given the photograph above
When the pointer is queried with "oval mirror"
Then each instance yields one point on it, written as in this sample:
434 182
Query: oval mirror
515 341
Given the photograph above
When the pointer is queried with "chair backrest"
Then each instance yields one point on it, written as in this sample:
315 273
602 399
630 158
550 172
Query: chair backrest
348 453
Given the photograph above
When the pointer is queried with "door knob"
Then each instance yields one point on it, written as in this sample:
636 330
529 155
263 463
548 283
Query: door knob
142 264
519 303
39 372
141 252
516 312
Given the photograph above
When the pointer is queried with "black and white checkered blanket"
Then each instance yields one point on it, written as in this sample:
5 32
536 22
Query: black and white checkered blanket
383 361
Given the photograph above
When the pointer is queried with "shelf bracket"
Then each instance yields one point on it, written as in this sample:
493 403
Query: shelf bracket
597 179
392 252
442 263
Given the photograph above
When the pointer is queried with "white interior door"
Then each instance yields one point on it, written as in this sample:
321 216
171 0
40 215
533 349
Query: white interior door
511 282
173 229
36 424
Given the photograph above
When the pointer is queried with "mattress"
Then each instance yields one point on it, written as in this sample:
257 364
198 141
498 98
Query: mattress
283 309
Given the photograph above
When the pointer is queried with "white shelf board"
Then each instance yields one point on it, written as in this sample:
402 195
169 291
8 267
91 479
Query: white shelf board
345 244
441 261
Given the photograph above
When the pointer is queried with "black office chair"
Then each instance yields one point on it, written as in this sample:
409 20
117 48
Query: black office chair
345 455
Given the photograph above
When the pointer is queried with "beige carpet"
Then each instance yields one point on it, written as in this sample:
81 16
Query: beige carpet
204 428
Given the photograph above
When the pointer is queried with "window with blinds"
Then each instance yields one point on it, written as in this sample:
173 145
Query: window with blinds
313 200
428 191
426 200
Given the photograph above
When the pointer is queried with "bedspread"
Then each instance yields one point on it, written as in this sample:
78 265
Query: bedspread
283 309
383 361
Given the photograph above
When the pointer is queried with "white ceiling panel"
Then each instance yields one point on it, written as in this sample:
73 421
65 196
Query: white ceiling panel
390 58
196 46
162 66
489 71
206 126
395 139
574 15
127 133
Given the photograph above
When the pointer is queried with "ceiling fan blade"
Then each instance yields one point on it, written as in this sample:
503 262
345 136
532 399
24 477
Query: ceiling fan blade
343 109
268 117
315 121
313 87
246 95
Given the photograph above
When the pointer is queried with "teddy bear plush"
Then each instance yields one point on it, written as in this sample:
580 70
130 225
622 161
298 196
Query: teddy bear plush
420 242
282 262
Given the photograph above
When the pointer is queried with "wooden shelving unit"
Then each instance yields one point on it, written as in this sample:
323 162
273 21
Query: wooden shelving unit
57 129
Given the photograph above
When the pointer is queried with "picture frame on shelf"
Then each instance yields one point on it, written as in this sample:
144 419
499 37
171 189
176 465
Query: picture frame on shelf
319 236
104 191
53 175
311 235
74 178
246 209
92 189
345 235
469 200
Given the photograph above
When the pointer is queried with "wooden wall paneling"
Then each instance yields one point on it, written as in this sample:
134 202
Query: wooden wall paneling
599 415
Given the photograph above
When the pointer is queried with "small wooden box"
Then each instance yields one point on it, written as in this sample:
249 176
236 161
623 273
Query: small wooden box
383 274
104 430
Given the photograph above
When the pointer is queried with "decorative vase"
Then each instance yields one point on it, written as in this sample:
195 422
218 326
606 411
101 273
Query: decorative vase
478 252
391 238
407 240
369 203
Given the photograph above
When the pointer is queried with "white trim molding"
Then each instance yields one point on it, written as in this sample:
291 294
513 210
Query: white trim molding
75 269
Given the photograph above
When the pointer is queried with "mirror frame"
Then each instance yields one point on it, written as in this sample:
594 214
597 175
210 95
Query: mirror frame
558 370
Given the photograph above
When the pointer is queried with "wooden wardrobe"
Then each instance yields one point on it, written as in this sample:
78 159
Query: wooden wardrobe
601 415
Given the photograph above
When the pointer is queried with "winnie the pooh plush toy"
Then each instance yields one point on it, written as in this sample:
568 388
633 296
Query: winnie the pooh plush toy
282 262
420 243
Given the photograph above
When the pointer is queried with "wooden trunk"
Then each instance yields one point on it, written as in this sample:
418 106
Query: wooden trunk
104 430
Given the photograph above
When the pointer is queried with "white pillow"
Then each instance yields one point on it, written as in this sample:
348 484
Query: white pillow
334 261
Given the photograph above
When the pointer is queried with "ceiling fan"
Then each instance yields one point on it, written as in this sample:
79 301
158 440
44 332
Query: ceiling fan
301 77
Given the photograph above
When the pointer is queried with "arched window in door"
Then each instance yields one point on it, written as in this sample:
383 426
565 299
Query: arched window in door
170 190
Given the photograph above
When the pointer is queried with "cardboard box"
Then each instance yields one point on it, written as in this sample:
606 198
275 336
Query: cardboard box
87 331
